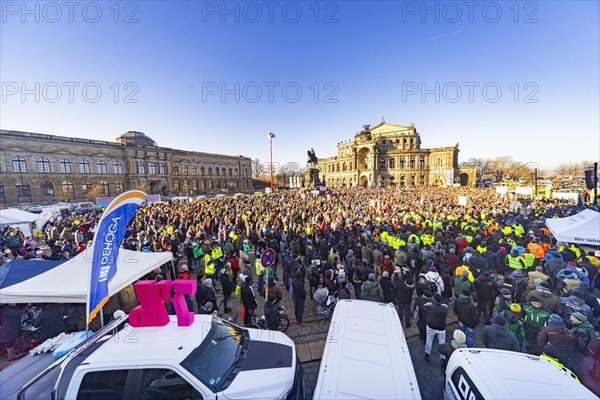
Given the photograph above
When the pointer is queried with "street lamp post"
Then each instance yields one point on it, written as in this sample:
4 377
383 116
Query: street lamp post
271 136
535 174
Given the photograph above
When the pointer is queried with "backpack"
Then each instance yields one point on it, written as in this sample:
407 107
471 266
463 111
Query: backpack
341 277
314 276
433 287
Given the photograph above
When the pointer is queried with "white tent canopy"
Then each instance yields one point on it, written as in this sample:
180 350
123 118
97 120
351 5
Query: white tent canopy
68 282
10 216
581 228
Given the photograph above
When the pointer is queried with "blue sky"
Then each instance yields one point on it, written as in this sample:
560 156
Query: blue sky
161 68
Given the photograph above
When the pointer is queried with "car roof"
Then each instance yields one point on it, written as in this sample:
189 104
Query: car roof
169 343
511 375
366 337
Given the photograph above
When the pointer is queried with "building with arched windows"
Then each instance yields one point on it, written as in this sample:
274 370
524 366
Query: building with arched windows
390 154
37 168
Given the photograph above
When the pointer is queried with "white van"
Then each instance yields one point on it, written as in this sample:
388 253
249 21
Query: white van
477 374
366 355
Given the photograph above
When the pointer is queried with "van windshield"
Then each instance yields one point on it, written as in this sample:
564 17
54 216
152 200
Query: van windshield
214 359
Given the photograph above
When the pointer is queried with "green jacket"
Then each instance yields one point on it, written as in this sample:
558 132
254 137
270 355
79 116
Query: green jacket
584 334
535 319
461 283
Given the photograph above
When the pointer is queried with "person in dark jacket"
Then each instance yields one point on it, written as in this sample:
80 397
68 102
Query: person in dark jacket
299 297
386 287
422 314
248 301
468 316
226 278
557 334
496 336
205 293
492 261
10 329
487 291
403 288
346 292
437 314
459 340
51 321
272 315
477 264
452 260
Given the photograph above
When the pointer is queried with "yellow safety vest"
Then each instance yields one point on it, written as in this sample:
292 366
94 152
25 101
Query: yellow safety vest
514 262
217 252
481 249
559 365
258 265
529 259
209 265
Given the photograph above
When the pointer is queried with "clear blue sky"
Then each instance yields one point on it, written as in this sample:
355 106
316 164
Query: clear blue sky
371 58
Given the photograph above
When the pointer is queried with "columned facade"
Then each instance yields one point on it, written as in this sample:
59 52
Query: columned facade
390 154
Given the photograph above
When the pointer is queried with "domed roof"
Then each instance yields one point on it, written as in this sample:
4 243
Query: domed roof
134 137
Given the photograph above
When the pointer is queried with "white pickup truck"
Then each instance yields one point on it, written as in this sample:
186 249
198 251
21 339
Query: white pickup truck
211 359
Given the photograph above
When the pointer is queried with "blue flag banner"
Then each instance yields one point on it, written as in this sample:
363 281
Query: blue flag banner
107 240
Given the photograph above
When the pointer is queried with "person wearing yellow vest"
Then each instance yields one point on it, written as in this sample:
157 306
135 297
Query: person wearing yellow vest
209 266
514 261
528 258
551 355
459 272
260 273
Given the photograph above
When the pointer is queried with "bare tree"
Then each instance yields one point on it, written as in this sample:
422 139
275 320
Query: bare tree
258 168
483 170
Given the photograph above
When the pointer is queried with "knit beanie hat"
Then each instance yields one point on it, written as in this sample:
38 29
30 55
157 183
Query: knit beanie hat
515 308
579 316
505 292
535 298
555 319
459 336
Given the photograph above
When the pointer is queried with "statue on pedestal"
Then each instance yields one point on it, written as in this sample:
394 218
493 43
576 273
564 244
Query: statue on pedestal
312 173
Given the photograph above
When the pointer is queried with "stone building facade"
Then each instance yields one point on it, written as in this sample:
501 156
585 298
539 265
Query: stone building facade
390 154
37 168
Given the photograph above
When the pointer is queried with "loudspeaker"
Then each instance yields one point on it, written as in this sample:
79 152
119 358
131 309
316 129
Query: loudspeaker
589 178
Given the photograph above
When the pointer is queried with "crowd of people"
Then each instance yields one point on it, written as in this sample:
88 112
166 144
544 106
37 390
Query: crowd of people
493 262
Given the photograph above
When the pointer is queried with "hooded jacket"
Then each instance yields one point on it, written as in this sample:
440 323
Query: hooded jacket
402 290
498 337
583 333
434 277
466 311
461 283
573 304
487 289
558 336
371 290
549 301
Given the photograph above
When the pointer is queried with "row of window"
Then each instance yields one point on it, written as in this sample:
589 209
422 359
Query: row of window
209 171
67 188
412 180
204 185
383 163
65 167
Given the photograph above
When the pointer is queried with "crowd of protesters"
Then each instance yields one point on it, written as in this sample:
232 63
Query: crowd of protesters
493 263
